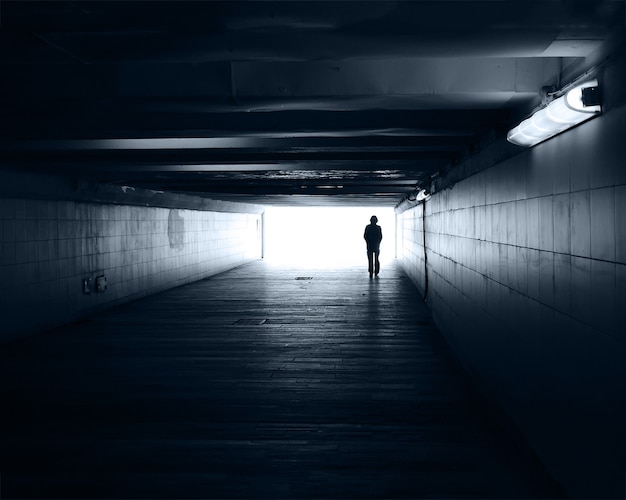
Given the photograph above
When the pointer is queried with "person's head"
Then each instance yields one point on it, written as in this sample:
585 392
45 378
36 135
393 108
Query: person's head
373 219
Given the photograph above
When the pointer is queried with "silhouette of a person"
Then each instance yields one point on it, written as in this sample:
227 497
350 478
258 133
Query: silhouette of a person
373 236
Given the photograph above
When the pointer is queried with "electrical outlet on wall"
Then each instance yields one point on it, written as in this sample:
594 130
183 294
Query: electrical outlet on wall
101 283
86 285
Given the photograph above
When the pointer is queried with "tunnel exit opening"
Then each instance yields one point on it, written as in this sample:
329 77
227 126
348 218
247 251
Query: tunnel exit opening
325 237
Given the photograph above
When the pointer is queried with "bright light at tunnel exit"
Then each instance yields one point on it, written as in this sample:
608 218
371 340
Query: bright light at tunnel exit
325 237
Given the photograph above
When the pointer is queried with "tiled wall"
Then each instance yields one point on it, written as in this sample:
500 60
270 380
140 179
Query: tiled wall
527 280
48 247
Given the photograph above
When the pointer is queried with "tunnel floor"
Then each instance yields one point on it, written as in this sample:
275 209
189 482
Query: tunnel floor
261 382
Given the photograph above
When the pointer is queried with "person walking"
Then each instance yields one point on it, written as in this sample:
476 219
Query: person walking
373 236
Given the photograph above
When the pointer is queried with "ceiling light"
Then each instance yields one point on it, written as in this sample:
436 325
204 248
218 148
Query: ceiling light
423 195
576 106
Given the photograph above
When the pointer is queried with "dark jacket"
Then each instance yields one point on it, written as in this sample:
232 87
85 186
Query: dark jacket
373 236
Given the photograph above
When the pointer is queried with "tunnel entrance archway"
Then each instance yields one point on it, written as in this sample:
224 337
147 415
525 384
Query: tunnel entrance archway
325 237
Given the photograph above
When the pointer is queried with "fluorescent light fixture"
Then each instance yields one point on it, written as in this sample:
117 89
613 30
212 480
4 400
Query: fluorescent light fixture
423 195
576 106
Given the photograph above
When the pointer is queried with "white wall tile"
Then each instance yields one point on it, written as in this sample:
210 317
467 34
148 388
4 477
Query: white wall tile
546 278
603 229
603 296
532 228
521 223
546 224
534 270
562 228
581 289
562 283
580 220
510 215
522 263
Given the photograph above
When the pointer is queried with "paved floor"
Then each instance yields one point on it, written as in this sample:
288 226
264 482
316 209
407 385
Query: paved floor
257 383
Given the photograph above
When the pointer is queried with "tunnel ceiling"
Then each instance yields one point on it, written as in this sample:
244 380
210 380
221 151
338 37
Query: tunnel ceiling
318 103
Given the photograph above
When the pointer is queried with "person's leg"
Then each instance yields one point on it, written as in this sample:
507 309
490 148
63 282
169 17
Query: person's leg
370 262
377 269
